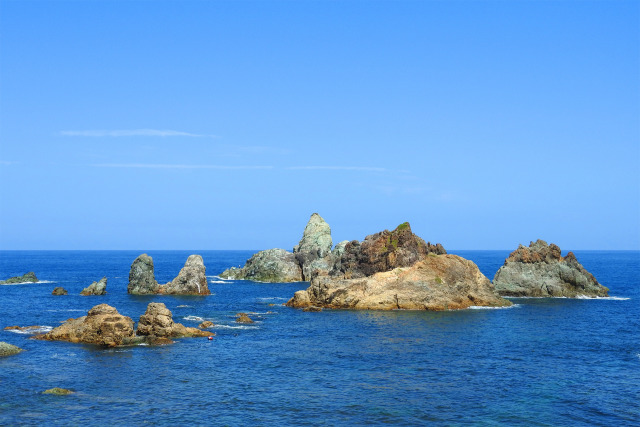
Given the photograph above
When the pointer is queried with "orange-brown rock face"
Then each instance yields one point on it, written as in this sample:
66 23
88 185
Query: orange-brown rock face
157 321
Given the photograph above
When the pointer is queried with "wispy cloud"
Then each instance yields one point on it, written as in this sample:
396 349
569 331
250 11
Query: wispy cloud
340 168
177 166
132 132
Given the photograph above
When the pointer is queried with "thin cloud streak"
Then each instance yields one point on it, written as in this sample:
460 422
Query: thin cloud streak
340 168
169 166
132 132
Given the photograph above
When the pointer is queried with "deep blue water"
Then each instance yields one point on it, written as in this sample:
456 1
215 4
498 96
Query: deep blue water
544 362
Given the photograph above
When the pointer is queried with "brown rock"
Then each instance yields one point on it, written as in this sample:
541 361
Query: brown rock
243 318
205 324
157 321
59 291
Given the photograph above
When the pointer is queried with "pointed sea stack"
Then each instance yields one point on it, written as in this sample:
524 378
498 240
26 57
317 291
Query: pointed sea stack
541 271
191 280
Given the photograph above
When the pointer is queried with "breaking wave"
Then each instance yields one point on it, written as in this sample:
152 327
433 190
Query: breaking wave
28 330
195 318
479 307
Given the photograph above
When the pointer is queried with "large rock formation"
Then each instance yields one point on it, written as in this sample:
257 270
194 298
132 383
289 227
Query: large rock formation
158 322
383 251
436 282
30 277
141 277
191 280
272 265
541 271
314 250
102 325
7 349
96 288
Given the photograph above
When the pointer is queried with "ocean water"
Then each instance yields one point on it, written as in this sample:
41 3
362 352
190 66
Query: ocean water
542 362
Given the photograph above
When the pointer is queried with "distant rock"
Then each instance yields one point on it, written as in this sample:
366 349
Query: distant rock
436 282
243 318
7 349
158 322
102 325
383 251
26 329
206 324
272 265
191 280
58 391
141 276
59 290
96 288
30 277
541 271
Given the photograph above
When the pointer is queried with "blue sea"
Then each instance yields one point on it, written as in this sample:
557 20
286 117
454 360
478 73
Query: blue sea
541 362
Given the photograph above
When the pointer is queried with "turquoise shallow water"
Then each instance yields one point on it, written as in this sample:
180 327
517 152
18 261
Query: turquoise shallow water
543 362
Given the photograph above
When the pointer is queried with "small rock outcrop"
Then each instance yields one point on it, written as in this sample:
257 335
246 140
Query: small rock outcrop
272 265
191 280
59 290
30 277
58 391
443 282
541 271
383 251
158 322
243 318
206 324
96 288
7 349
142 280
102 325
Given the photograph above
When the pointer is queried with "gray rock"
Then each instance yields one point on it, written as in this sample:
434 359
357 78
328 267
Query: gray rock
59 290
7 349
141 276
315 245
191 280
30 277
541 271
272 265
96 288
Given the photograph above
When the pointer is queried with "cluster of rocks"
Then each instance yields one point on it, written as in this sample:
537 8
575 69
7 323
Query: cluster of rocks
95 288
191 280
30 277
104 326
541 271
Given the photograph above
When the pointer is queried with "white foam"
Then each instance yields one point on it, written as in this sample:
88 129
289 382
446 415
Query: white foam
28 283
69 309
218 281
228 279
39 329
196 318
184 306
234 327
478 307
273 298
605 298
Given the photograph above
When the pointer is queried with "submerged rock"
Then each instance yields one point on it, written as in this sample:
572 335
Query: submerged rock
158 322
243 318
444 282
96 288
141 276
206 324
7 349
102 325
59 290
541 271
58 391
191 280
30 277
272 265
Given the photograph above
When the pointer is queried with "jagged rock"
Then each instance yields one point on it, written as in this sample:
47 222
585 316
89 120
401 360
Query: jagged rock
7 349
206 324
541 271
59 290
315 245
272 265
30 277
141 277
191 280
158 322
102 325
58 391
96 288
243 318
383 251
443 282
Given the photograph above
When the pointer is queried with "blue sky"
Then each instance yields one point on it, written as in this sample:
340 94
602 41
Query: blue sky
225 124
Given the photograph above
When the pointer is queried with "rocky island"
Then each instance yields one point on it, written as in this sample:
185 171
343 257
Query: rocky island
541 271
30 277
397 270
96 288
104 326
191 280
